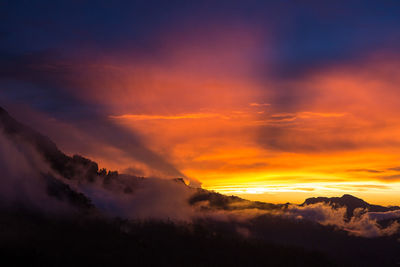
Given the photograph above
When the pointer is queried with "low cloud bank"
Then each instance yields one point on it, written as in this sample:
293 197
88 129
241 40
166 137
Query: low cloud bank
363 223
24 184
151 198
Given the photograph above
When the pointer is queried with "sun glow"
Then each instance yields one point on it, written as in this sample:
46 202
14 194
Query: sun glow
382 193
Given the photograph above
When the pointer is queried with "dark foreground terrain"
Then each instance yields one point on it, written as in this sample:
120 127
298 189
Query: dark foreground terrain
33 240
28 239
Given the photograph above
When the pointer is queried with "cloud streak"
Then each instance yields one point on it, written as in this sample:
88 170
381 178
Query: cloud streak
166 117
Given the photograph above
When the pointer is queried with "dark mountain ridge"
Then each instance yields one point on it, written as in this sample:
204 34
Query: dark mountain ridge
67 167
74 167
351 203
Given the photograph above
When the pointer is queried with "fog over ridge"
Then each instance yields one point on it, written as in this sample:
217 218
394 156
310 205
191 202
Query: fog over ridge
36 173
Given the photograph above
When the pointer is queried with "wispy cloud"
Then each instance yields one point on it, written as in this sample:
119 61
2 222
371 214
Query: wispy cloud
395 177
259 104
309 114
168 117
365 170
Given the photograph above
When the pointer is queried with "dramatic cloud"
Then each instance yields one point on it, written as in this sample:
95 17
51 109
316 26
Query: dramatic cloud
213 93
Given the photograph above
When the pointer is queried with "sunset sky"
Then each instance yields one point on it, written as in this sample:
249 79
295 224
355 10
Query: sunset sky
269 100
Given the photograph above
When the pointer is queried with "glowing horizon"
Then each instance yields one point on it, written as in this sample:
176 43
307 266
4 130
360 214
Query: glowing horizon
332 141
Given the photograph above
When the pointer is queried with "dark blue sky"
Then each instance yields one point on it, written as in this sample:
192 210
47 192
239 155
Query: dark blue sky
303 33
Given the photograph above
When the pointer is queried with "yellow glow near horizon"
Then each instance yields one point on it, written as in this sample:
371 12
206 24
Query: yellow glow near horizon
372 191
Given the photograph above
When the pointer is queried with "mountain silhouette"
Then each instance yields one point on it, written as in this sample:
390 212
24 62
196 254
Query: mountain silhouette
350 203
73 167
66 166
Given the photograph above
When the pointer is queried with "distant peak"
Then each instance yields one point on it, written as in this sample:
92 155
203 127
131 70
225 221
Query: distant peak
348 196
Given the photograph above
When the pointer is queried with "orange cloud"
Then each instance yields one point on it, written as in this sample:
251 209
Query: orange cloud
346 120
166 117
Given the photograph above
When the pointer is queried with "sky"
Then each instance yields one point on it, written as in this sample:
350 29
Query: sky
269 100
